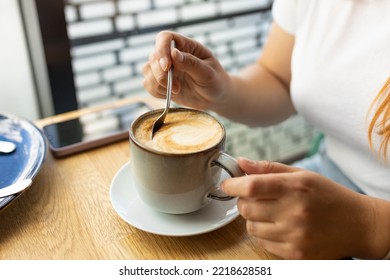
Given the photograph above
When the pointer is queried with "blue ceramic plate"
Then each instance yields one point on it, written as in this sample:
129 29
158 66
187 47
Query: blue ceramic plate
29 156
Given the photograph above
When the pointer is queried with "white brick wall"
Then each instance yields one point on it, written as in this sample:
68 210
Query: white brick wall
133 6
118 72
136 54
87 95
168 3
88 79
124 23
89 63
198 11
100 9
70 13
157 17
128 85
105 46
234 6
89 28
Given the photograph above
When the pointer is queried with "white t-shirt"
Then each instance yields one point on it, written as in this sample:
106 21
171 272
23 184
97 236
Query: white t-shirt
341 59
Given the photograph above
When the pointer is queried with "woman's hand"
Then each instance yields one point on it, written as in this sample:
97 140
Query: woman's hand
258 95
298 214
199 79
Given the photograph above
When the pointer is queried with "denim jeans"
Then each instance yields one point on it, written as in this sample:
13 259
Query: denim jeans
322 164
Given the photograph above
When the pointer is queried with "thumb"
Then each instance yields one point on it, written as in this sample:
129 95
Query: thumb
264 167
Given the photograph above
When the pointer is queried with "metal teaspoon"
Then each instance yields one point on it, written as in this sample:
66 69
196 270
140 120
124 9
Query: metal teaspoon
160 120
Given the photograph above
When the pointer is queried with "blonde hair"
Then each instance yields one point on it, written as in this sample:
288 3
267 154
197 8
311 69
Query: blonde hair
380 122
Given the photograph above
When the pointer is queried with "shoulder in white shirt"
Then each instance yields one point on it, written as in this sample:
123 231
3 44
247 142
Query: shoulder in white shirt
340 61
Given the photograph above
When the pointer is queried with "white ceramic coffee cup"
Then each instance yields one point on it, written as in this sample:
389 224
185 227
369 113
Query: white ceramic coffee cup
179 183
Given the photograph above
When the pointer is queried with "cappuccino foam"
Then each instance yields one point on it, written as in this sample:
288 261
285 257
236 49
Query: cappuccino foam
182 132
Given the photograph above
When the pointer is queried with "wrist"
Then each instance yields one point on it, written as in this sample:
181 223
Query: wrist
375 229
224 103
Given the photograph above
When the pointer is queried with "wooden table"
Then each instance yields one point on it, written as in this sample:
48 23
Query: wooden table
67 214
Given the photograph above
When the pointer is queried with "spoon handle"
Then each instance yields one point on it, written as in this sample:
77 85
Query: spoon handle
169 83
160 120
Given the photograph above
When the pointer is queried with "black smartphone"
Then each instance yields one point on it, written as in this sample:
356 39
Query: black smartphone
93 129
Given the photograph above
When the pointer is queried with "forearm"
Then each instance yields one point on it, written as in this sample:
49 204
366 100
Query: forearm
260 94
255 97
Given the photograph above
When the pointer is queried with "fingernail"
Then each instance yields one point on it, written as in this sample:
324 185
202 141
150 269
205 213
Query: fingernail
163 63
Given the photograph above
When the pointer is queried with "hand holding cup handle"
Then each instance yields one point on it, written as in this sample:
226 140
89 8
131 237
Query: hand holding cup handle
230 165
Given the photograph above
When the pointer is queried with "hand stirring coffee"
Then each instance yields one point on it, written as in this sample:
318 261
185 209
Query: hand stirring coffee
160 120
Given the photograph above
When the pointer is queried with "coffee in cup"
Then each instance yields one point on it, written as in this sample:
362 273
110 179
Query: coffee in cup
178 170
183 132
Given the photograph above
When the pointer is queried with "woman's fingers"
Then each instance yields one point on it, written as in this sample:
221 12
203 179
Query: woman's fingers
266 230
189 64
265 180
183 43
264 167
151 84
266 186
262 211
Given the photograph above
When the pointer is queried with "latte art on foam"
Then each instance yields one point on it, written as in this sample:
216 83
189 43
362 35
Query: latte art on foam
182 132
182 136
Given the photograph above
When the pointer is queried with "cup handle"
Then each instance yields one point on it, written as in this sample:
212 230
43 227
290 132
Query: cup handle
230 165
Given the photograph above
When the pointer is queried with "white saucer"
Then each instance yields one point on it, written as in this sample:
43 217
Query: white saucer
131 209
